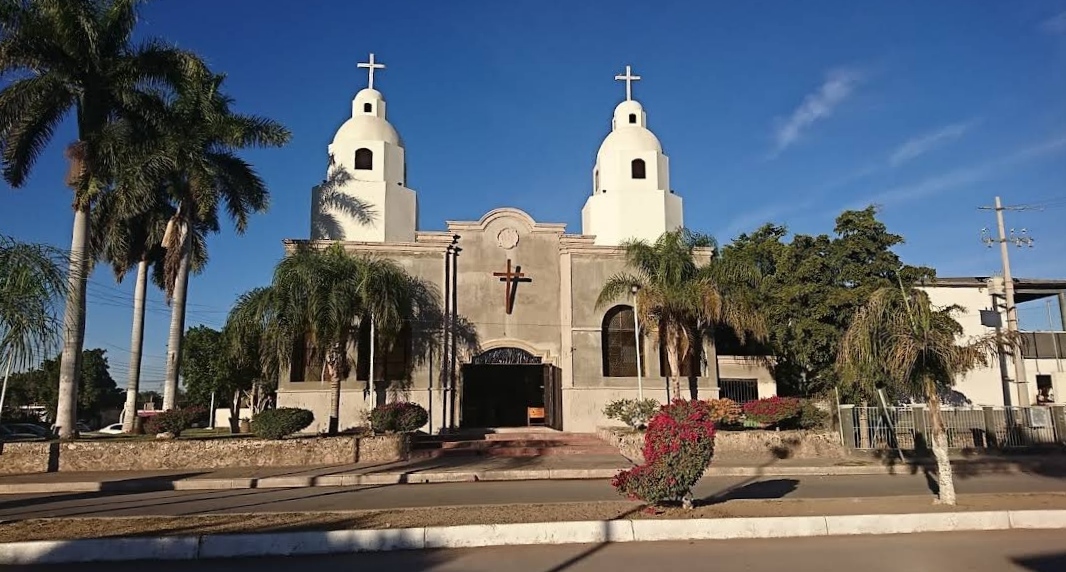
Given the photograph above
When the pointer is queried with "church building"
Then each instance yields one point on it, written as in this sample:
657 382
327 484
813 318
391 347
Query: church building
532 347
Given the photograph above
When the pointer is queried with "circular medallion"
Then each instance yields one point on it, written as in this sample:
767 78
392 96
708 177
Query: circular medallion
507 239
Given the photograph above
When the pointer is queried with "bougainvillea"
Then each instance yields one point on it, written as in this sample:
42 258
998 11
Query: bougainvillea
725 412
678 447
773 410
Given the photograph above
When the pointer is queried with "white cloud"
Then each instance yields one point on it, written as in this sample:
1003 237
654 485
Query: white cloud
922 144
1055 24
964 175
837 87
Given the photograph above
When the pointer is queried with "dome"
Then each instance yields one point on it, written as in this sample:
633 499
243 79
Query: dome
629 132
629 139
368 121
368 128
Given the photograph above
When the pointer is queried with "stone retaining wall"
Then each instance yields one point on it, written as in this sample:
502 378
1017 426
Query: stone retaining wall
756 445
217 453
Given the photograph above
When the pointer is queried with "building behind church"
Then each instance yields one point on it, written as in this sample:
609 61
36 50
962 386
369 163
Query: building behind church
527 291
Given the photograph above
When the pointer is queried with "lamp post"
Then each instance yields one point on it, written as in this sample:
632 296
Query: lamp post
636 339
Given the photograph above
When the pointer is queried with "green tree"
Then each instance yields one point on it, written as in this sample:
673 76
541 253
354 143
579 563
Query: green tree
77 57
209 368
682 297
900 337
31 281
811 288
97 391
201 137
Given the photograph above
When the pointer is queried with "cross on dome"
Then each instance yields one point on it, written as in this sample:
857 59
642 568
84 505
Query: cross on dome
371 66
629 78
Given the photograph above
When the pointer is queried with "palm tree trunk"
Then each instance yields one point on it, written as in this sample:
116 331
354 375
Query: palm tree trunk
177 325
945 480
334 404
672 342
7 374
73 326
712 358
129 412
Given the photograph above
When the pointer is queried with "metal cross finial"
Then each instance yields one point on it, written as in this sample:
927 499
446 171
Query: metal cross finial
629 78
371 66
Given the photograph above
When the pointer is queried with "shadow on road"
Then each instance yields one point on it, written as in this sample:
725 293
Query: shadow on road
1055 562
759 490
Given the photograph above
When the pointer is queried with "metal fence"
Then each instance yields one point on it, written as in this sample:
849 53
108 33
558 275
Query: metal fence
985 427
739 390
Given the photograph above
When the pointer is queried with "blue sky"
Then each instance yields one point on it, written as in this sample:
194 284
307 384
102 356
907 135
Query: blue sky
782 111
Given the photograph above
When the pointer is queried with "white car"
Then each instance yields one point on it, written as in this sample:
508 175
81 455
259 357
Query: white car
113 429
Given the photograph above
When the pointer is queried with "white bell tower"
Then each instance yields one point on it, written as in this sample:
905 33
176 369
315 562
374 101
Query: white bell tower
371 153
631 196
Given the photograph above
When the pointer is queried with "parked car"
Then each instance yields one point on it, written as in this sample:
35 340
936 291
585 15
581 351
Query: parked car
113 429
30 428
10 433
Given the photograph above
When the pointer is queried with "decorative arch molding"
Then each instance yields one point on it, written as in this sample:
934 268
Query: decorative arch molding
510 214
540 355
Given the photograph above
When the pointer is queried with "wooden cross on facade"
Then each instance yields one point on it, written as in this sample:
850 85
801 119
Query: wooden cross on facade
511 280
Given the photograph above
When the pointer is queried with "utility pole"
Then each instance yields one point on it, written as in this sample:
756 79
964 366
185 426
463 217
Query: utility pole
1019 240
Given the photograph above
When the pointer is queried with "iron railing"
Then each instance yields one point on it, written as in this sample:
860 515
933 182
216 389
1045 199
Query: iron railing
739 390
970 427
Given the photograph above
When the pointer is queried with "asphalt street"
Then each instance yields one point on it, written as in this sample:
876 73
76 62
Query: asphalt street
174 503
1006 551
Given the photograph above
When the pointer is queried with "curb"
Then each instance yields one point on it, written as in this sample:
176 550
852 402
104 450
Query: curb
398 478
469 536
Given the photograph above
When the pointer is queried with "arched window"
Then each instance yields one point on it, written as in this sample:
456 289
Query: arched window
632 117
619 344
368 107
638 169
364 159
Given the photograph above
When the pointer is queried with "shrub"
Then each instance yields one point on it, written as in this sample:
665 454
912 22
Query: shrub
725 412
173 421
281 422
810 416
773 410
398 417
678 447
633 412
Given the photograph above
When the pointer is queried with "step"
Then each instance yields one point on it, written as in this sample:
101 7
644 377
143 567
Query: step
537 443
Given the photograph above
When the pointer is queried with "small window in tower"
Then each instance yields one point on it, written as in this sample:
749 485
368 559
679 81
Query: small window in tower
368 107
364 159
638 169
632 117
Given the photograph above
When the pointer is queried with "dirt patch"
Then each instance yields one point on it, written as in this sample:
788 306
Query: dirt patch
69 528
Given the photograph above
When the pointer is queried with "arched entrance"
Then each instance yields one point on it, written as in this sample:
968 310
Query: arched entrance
500 384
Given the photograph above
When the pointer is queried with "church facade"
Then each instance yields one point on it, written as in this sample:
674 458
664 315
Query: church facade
531 345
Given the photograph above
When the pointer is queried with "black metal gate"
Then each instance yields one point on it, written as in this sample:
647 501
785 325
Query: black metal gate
553 398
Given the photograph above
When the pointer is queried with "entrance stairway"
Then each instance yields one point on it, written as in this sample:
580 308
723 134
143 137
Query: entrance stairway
532 442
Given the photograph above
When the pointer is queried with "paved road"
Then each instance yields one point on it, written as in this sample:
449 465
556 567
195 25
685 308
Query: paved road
498 492
1009 551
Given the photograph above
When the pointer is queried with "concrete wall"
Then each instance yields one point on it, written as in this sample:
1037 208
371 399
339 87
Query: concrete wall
150 455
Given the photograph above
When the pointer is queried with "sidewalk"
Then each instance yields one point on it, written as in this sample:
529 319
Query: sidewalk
447 470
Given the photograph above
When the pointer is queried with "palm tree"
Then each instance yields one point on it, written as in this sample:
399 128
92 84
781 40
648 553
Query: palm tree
77 57
681 297
31 282
321 296
898 336
201 136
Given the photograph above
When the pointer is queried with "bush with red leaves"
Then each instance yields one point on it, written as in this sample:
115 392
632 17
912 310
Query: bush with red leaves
678 447
773 411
